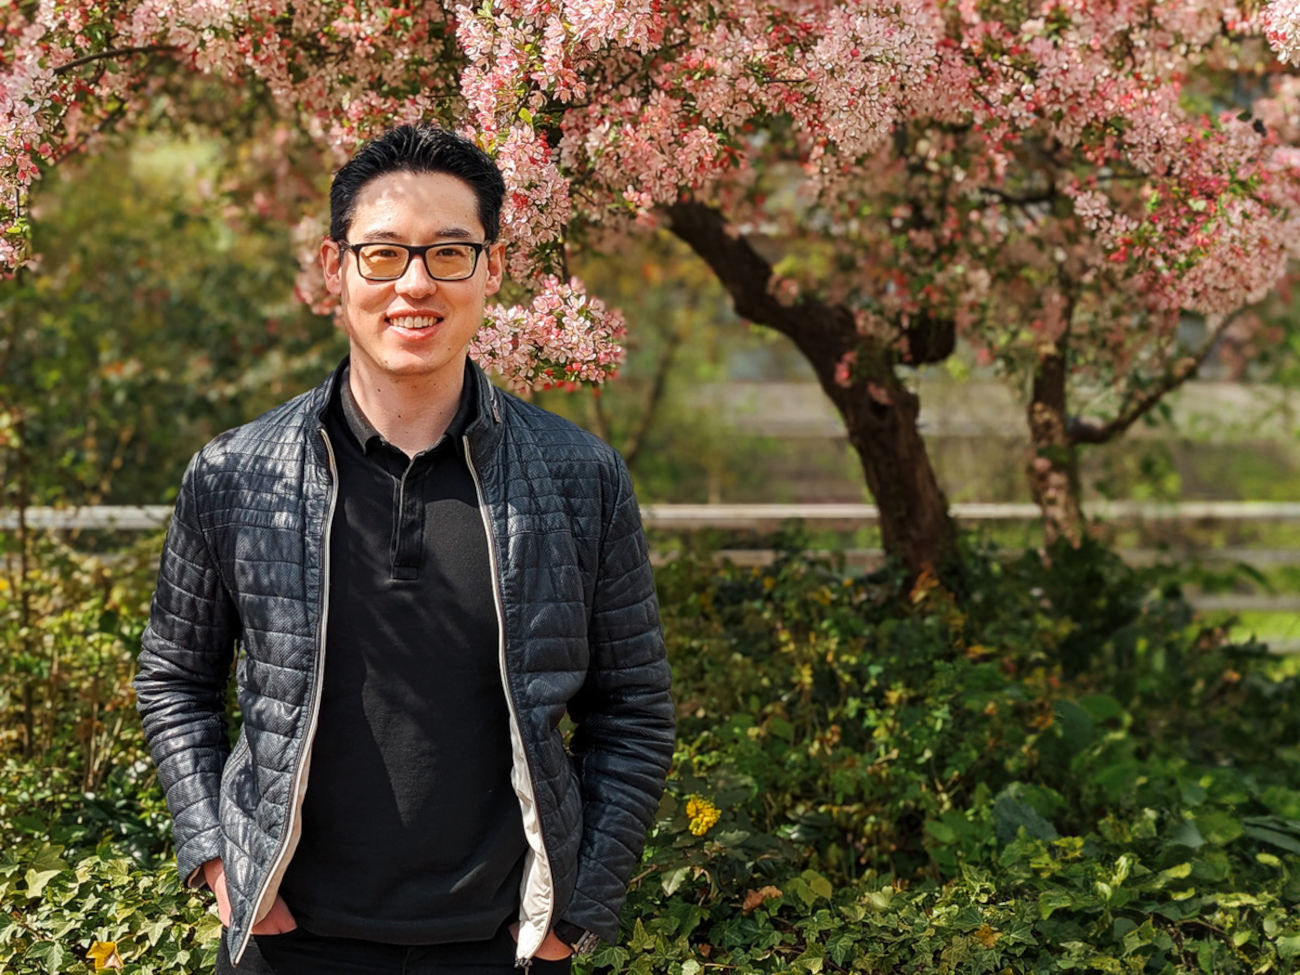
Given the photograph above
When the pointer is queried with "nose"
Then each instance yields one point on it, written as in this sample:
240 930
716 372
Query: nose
416 280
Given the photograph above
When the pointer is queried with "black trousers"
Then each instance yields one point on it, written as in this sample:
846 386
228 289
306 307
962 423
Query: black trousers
301 953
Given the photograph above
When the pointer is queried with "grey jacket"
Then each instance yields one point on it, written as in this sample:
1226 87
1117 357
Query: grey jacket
246 563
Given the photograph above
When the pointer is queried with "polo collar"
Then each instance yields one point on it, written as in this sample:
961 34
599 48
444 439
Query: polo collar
368 437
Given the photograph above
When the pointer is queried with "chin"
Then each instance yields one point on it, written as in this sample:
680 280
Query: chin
409 365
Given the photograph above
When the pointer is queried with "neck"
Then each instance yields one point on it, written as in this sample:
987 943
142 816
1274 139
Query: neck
411 413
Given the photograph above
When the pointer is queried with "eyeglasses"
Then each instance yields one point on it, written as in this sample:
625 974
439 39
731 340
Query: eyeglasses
388 262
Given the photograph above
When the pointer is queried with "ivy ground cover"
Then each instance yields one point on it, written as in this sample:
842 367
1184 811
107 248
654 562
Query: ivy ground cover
1045 764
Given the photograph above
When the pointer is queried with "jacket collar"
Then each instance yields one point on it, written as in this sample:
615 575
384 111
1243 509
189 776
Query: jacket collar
483 427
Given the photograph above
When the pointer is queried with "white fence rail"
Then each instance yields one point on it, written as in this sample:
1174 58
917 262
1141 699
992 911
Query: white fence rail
126 517
758 516
735 516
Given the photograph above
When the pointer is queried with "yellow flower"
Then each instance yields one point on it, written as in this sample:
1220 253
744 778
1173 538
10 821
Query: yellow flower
104 955
703 814
987 936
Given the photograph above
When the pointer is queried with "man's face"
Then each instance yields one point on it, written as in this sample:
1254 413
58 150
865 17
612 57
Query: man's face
414 326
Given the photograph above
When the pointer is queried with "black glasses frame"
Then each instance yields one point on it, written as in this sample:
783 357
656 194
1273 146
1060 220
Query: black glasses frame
414 251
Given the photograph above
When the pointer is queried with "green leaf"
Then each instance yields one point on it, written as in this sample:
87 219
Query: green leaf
1186 834
174 955
52 953
881 899
818 884
673 879
1053 900
799 887
1102 708
1177 872
1218 826
610 956
1282 841
641 939
841 945
780 728
1077 726
207 928
1192 793
1012 815
940 831
44 867
152 932
1288 946
1237 899
1283 801
1139 937
1117 780
1213 864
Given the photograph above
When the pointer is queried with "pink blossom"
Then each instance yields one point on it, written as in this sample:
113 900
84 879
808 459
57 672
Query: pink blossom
896 159
1282 21
564 336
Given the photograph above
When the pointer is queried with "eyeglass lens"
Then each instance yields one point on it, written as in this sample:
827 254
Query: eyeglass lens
446 261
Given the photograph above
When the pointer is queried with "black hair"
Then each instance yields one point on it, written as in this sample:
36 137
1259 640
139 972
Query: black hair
418 149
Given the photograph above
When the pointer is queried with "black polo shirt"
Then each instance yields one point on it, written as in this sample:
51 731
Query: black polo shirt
411 832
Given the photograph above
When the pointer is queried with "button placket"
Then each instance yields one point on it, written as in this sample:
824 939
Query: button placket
408 530
407 549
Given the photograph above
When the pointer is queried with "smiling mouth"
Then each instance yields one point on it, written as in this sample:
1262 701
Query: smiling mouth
415 321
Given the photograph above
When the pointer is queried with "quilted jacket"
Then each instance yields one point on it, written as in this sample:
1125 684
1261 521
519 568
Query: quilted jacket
246 564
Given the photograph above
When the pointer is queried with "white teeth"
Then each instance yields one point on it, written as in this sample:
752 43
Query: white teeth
415 321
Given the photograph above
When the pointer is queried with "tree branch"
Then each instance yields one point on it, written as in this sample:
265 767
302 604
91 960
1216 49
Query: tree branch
114 53
615 84
744 272
1081 431
598 416
632 446
820 330
1046 196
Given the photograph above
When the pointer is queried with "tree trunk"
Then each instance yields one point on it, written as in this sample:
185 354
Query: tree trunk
882 427
1053 466
879 412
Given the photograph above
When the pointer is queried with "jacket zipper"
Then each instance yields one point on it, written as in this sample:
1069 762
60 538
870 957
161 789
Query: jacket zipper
279 864
543 856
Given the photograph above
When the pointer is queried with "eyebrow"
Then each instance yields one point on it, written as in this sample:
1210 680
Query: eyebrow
446 232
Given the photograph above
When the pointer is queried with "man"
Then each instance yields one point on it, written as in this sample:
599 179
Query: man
422 575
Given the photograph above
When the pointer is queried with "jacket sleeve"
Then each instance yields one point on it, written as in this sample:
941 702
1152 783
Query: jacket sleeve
624 720
184 665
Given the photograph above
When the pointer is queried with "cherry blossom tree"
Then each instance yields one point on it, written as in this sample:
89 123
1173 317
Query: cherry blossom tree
1057 183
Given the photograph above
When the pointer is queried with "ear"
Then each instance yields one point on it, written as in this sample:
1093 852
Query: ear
331 262
496 267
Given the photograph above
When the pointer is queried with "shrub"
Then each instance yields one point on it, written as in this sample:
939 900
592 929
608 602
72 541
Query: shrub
1059 770
1044 766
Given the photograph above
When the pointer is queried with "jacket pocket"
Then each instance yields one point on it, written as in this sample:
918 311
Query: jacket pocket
238 782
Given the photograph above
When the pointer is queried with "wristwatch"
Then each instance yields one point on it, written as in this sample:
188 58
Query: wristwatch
580 940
